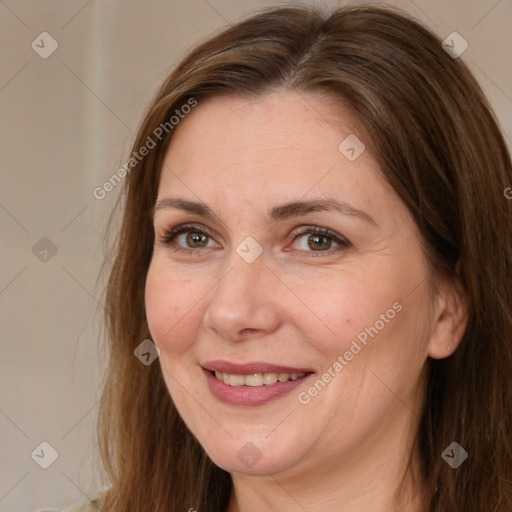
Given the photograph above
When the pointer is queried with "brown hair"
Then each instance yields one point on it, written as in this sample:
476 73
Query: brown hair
439 145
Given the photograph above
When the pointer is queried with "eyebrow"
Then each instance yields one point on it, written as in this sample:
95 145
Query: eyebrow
277 213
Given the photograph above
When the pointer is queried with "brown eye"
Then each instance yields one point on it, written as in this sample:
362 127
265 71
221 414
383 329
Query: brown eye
321 240
186 237
196 238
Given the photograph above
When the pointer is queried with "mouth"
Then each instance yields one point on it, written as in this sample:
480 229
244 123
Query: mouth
252 383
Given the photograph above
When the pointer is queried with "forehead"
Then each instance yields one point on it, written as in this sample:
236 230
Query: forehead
280 146
281 120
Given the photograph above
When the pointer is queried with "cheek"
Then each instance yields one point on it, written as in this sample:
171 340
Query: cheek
349 305
172 308
376 312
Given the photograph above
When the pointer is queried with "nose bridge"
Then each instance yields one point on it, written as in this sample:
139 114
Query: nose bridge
242 280
240 300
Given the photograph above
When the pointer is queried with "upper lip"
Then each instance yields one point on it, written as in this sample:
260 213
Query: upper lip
250 368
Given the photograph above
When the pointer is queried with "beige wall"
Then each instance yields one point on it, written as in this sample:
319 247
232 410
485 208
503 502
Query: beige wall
66 125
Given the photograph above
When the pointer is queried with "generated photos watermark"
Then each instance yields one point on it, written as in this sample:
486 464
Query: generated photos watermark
159 133
304 397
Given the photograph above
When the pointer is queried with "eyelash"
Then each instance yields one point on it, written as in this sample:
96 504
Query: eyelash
170 234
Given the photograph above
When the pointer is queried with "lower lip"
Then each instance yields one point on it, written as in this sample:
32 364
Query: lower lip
250 395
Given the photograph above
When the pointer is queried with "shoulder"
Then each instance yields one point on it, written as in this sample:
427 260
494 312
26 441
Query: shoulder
88 505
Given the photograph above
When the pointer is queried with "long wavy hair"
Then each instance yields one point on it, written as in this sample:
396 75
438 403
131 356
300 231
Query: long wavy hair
439 145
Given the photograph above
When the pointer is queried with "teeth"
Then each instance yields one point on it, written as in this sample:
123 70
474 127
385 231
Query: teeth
269 378
236 380
256 379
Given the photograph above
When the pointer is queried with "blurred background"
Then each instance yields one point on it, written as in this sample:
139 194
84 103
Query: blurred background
75 78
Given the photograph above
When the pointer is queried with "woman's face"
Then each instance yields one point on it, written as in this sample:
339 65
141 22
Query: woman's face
247 289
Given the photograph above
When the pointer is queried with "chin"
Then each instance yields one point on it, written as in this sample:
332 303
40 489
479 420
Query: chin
252 453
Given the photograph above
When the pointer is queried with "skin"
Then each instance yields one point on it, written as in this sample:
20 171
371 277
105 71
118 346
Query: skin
347 448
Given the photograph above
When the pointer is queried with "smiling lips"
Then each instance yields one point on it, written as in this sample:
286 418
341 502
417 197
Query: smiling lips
251 383
253 374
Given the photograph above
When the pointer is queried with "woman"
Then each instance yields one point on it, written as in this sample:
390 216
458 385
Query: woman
308 308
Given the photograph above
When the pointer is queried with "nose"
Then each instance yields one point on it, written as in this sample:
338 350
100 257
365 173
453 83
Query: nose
244 304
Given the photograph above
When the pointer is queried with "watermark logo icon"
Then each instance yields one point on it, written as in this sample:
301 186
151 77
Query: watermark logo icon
351 147
249 249
249 454
454 455
146 352
455 45
44 45
44 250
44 455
